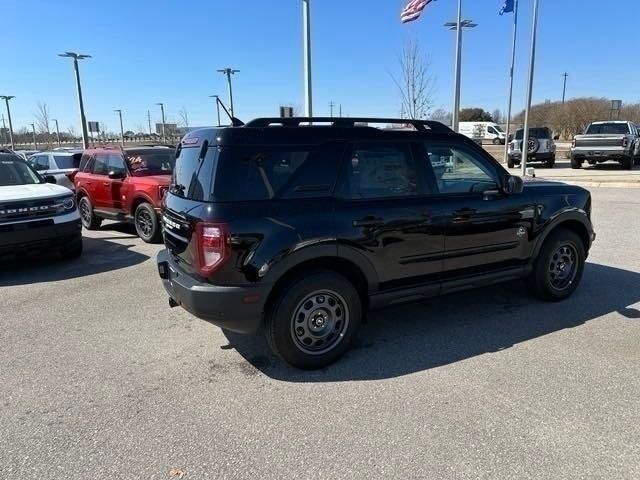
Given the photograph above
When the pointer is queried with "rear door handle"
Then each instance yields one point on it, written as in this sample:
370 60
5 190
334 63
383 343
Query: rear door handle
369 222
106 184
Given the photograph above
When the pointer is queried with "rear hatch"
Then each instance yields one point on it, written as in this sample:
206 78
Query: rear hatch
595 141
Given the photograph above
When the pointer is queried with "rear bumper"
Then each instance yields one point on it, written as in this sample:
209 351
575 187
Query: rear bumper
239 309
534 157
38 236
599 154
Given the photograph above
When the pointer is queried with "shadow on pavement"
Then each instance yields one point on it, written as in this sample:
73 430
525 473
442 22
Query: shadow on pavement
418 337
99 255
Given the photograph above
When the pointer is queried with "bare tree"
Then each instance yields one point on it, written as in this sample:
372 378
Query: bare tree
416 84
43 118
441 115
183 118
497 115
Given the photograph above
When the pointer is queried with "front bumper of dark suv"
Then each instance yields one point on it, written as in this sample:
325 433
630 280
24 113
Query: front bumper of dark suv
38 237
235 308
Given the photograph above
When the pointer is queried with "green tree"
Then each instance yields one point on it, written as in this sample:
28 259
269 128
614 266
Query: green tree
475 115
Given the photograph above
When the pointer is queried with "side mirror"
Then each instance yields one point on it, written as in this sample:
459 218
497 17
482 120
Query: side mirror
556 138
50 179
513 185
116 175
510 137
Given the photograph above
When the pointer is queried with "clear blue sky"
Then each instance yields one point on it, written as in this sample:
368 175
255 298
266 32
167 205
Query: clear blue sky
168 51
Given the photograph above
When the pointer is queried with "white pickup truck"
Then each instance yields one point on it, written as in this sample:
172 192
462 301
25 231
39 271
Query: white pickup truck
35 216
604 141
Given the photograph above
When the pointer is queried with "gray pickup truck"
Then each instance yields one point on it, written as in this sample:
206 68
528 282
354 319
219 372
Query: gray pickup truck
603 141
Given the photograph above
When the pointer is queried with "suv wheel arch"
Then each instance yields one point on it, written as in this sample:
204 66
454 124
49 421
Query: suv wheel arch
137 200
569 221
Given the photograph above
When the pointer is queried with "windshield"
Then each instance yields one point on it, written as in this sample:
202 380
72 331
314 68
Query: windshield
143 163
16 172
542 133
67 161
608 129
498 128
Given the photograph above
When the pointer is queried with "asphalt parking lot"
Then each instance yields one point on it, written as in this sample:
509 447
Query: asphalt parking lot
100 379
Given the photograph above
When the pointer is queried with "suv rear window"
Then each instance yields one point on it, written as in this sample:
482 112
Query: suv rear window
540 133
608 129
143 163
67 161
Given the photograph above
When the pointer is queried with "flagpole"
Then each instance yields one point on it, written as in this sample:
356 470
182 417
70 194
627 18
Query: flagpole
456 97
306 20
532 62
513 63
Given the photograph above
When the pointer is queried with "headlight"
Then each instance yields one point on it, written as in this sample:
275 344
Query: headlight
69 203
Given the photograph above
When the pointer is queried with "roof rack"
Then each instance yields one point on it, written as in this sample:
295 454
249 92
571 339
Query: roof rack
420 125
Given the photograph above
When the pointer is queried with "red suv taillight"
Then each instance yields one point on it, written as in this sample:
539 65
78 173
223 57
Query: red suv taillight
212 243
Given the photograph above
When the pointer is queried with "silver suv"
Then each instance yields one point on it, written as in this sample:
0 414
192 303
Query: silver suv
62 165
542 147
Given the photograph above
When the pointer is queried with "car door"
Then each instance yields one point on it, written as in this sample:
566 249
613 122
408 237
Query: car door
115 164
485 228
100 182
385 214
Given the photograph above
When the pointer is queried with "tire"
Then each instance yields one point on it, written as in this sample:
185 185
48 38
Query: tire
72 252
89 219
510 163
322 296
550 163
558 269
147 224
627 163
576 164
496 141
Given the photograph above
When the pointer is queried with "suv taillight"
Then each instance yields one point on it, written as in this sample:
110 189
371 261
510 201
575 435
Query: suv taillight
212 241
72 175
625 142
573 143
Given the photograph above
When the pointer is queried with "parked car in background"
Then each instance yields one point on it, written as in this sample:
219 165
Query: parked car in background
603 141
125 185
483 131
35 216
25 154
541 147
298 230
62 165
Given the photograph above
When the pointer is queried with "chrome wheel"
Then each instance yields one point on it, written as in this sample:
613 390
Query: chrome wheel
563 267
319 322
144 223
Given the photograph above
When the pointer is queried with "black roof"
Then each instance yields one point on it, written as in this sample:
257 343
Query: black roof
309 131
10 156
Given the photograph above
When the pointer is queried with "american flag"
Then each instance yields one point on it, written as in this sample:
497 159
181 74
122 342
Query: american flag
413 10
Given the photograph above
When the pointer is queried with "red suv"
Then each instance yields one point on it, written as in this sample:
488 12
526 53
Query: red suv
124 185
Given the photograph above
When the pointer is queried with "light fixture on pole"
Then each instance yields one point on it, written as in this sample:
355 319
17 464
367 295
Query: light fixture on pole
164 133
119 112
228 72
6 99
83 119
457 27
306 29
217 98
57 130
532 64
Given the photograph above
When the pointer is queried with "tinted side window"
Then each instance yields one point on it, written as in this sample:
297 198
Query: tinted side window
100 164
380 171
257 173
85 163
458 169
41 162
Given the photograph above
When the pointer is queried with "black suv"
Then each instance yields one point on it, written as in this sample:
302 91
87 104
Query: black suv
299 226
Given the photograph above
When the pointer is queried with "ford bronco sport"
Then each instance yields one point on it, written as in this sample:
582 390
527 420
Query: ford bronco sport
124 185
299 226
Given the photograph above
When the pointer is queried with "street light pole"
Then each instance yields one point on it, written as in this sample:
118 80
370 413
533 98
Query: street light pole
83 119
35 143
564 88
6 101
228 72
532 63
57 131
119 112
511 71
458 26
306 27
164 133
217 98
